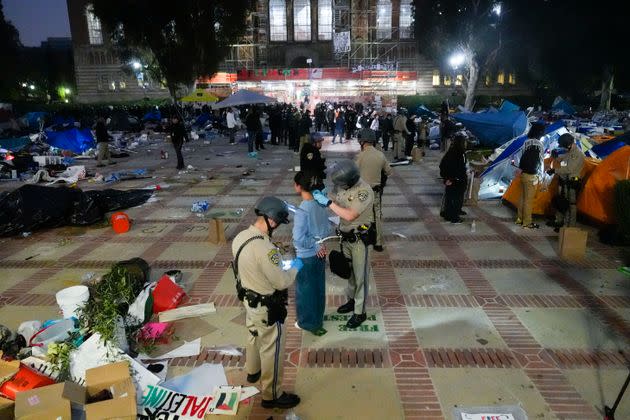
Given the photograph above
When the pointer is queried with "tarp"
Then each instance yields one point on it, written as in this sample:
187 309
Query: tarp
423 111
498 176
507 106
493 128
202 119
596 200
154 115
15 144
33 207
562 106
33 119
200 95
604 149
74 139
61 120
244 97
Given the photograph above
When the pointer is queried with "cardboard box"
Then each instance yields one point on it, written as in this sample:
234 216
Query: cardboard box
417 154
54 401
216 232
572 243
115 378
7 408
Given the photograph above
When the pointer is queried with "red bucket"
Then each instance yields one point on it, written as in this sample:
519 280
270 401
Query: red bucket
25 380
120 222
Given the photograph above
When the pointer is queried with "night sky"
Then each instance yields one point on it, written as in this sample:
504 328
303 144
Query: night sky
37 20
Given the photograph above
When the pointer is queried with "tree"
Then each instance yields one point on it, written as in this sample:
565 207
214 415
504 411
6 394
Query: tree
465 34
9 52
177 41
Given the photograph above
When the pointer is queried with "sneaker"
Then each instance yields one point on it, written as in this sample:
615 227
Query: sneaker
462 213
356 320
457 221
297 326
253 377
346 308
319 332
378 248
284 401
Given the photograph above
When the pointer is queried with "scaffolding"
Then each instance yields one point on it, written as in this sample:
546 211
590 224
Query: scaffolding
251 50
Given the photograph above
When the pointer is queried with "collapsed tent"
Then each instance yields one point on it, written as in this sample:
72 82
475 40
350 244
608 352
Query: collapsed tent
561 106
244 97
507 106
423 111
74 139
154 115
33 207
62 120
493 128
607 148
33 119
15 144
596 200
496 178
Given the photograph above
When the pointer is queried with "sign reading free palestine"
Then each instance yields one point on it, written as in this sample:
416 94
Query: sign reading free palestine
164 404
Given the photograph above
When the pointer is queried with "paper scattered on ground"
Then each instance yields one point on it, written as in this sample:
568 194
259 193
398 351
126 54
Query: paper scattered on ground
226 399
184 312
227 350
485 416
248 392
190 348
199 381
399 234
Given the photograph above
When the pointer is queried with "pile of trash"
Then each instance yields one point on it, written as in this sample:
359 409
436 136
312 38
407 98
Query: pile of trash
110 354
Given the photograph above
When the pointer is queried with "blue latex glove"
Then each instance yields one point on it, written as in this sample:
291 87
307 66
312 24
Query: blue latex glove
321 199
294 263
325 191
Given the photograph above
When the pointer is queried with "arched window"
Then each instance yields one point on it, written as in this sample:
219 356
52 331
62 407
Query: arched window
384 19
95 33
302 20
324 20
436 78
501 78
278 20
406 20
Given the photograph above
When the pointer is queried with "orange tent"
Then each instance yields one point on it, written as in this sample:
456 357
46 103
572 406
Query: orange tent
542 200
596 200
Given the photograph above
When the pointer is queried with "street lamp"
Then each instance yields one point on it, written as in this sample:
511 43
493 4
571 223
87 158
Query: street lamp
32 87
497 9
457 60
67 91
136 65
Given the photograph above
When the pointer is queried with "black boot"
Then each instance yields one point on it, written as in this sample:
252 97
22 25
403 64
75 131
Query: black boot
356 320
252 378
346 308
284 401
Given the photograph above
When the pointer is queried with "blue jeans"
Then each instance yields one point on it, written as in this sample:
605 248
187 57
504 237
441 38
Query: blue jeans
251 137
310 293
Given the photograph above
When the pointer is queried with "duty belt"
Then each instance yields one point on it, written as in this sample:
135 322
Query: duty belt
254 298
353 235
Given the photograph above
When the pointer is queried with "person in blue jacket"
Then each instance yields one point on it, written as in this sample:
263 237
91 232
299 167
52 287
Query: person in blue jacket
310 224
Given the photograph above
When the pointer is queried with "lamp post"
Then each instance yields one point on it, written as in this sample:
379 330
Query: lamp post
455 61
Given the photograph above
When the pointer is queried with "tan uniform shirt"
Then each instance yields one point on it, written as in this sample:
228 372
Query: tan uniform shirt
573 163
371 162
400 124
360 198
259 265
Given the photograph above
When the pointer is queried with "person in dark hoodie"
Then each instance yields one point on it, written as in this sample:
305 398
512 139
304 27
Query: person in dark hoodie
453 172
178 136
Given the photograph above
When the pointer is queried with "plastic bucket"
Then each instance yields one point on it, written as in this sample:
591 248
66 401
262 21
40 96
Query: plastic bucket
71 299
120 222
59 331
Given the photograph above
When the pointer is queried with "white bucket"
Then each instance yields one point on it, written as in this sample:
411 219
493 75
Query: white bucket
71 299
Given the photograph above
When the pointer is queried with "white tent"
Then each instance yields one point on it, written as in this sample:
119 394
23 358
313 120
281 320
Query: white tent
244 97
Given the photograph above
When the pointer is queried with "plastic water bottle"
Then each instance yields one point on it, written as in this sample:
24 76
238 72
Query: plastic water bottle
473 227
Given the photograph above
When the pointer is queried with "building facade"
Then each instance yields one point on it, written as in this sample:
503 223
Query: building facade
100 76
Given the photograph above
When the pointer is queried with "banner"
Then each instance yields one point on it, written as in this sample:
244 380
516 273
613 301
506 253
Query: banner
164 404
341 42
316 73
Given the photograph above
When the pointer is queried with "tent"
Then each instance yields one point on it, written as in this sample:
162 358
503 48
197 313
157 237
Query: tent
596 200
244 97
200 95
423 111
498 176
493 128
61 120
33 119
154 115
15 144
74 139
561 106
606 148
507 106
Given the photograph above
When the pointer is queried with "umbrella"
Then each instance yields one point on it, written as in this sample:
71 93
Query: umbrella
244 97
200 96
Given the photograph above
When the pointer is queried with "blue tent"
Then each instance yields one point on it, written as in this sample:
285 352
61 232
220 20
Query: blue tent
423 111
608 147
33 118
154 115
564 107
14 145
202 119
74 139
61 120
493 128
507 106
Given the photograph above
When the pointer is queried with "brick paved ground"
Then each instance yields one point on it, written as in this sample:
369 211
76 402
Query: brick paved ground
456 318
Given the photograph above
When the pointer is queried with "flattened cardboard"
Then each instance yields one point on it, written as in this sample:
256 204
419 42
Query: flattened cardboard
572 243
7 408
216 231
53 401
8 369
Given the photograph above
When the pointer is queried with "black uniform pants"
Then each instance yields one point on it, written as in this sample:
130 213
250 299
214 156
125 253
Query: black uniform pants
454 200
178 151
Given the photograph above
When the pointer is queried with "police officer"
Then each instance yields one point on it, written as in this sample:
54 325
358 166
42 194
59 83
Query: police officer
569 169
353 204
262 279
374 169
311 158
400 134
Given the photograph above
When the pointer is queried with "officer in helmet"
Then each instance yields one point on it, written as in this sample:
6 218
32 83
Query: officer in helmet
568 167
262 279
353 200
311 158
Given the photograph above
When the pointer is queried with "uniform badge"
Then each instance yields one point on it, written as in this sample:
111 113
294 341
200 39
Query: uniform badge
274 256
363 195
309 156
